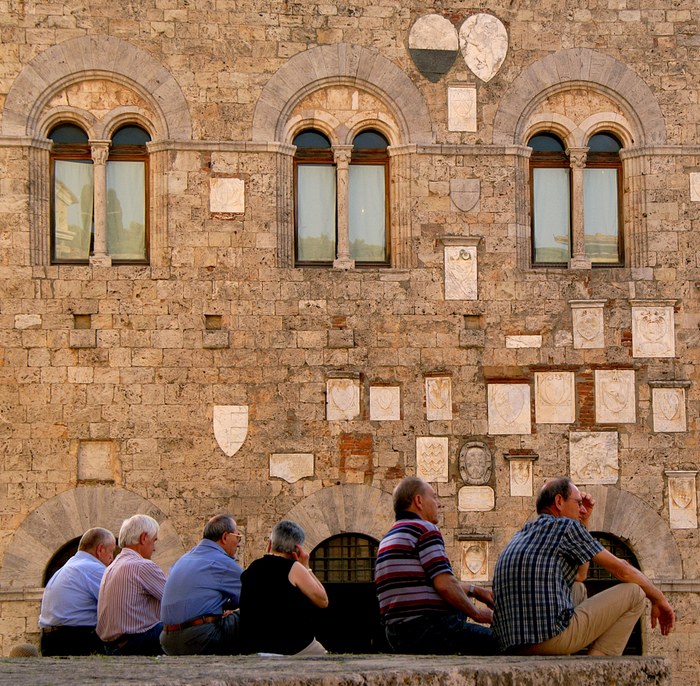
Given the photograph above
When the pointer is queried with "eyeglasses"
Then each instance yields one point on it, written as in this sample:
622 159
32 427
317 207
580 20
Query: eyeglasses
236 534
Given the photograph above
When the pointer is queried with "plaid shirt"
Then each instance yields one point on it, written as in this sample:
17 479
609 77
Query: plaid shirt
533 578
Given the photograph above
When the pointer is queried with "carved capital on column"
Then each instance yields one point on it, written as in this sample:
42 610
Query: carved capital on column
342 154
99 151
577 157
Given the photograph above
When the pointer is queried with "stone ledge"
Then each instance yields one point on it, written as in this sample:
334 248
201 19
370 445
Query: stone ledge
336 670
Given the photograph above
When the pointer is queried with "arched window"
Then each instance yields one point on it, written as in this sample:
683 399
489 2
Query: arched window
602 189
315 199
59 558
550 175
127 195
576 202
599 579
341 204
93 177
72 195
367 201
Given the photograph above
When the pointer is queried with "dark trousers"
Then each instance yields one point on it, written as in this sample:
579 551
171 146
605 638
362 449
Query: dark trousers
57 641
441 634
146 643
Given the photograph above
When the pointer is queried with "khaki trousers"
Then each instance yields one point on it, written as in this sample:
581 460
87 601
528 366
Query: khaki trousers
602 623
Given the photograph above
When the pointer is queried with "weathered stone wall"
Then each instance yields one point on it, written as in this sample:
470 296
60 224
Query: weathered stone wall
109 376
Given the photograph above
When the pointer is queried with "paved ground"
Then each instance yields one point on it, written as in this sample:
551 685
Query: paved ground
336 670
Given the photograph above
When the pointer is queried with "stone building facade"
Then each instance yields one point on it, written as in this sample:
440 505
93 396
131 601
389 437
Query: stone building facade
212 364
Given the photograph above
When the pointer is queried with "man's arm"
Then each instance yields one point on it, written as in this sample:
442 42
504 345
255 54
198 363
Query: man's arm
661 609
588 504
301 576
451 591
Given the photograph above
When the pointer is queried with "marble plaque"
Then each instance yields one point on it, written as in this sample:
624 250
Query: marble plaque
461 108
669 409
433 44
291 466
474 561
509 408
483 40
615 401
524 341
682 499
695 186
342 399
520 477
554 398
226 195
653 331
593 457
432 459
476 499
460 272
588 324
465 194
385 403
475 463
230 427
438 398
95 461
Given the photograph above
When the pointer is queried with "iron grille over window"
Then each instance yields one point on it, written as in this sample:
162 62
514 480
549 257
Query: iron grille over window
346 558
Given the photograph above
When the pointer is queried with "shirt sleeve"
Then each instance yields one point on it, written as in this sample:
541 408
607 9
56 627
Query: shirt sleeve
432 554
152 579
578 544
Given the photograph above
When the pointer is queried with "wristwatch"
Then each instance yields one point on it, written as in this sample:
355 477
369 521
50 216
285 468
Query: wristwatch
471 589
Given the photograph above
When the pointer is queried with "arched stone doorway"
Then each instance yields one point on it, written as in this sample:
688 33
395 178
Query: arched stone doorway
343 526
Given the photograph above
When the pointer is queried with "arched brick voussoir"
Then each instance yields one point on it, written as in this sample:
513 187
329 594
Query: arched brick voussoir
92 57
341 64
629 518
67 516
580 67
352 508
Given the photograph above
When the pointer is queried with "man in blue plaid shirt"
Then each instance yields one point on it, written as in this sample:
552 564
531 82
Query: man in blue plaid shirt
540 603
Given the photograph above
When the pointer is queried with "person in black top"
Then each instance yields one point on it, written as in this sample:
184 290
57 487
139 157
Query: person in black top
278 594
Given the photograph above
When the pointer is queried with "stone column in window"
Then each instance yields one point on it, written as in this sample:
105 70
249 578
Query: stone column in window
577 157
100 152
342 154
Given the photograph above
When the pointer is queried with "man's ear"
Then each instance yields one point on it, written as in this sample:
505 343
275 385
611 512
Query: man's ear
269 546
558 501
143 537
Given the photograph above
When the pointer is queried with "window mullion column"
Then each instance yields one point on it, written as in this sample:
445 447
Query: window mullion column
342 155
577 161
100 152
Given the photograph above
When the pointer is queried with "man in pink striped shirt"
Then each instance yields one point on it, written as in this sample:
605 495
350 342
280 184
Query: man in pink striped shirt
128 606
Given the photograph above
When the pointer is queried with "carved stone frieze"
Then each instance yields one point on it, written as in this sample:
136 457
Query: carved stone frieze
615 396
438 398
593 457
385 403
432 459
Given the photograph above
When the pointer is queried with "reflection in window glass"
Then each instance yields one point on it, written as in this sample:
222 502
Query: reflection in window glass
316 212
126 210
551 215
73 202
367 213
600 214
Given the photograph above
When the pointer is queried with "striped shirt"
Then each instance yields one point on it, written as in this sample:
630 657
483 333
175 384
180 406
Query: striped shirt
130 593
409 558
533 578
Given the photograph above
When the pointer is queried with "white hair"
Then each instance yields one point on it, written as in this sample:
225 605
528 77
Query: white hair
132 528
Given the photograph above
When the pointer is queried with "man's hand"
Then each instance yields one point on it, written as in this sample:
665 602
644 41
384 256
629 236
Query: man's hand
483 595
483 615
588 504
302 556
663 613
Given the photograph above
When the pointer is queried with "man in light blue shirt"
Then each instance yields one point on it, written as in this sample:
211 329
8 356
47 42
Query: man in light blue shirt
201 594
69 606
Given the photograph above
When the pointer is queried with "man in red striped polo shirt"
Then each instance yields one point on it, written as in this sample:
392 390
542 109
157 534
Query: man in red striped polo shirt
128 606
423 606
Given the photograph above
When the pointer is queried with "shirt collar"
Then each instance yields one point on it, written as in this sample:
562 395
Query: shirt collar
407 514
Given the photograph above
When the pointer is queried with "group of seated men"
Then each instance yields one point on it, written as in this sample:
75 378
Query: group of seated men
206 605
209 605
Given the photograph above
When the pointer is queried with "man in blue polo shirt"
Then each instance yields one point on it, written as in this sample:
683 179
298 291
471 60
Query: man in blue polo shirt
201 594
423 606
540 603
69 606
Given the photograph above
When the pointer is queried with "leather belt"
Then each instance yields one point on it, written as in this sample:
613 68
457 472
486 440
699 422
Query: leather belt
197 621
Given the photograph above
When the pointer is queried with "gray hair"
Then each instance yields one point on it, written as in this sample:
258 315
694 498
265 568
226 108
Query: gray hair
285 536
94 537
552 488
132 528
406 491
217 526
